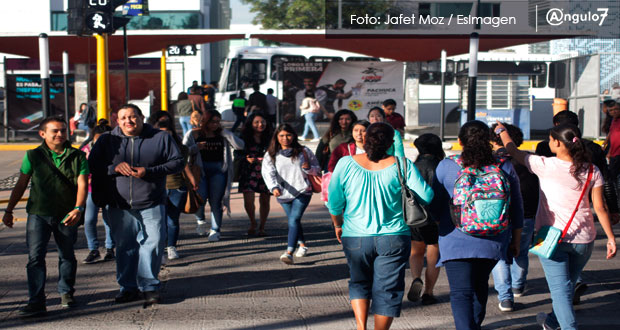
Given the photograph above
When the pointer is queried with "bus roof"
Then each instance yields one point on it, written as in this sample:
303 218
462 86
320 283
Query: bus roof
307 52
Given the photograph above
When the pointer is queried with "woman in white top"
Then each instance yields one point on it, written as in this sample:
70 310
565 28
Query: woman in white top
562 180
285 169
311 111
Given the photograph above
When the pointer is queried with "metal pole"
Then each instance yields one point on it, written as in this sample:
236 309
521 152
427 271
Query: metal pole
65 80
278 110
164 82
44 64
442 109
473 76
102 77
339 14
6 105
126 58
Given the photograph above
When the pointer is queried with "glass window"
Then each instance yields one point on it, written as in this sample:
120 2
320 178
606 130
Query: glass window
276 59
166 21
232 76
325 59
500 95
59 21
250 71
362 59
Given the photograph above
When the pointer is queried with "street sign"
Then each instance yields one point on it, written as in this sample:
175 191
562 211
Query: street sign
136 8
99 22
182 50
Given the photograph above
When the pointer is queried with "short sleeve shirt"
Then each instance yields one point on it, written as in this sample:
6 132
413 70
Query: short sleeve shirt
57 159
560 194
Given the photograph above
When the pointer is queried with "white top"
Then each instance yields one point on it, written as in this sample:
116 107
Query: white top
287 175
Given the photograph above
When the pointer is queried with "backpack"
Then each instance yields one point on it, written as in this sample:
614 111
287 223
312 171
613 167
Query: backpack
315 106
481 199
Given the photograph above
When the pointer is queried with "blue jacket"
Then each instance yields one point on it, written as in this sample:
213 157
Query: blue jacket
153 149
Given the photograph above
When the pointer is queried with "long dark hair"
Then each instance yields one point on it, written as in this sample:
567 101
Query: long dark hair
379 138
475 139
206 118
247 133
167 123
334 127
430 144
275 146
570 136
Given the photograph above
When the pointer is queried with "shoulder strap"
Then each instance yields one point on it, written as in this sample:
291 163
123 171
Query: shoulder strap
585 187
400 176
456 159
55 169
351 149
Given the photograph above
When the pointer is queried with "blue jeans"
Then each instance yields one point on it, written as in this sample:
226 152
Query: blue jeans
90 225
185 123
469 290
377 267
562 271
507 276
38 232
176 202
310 118
139 237
212 187
294 211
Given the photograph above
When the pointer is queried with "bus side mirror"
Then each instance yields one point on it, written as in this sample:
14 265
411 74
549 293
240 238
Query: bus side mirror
232 97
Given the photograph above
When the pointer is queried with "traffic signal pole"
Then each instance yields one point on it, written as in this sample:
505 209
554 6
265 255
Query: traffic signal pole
103 95
164 82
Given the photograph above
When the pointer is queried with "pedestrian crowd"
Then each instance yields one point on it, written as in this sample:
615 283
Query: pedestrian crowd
481 211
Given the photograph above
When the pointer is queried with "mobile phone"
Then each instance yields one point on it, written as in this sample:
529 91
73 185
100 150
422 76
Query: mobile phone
65 218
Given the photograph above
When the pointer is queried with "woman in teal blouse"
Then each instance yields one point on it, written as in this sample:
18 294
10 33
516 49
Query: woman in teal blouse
366 207
377 115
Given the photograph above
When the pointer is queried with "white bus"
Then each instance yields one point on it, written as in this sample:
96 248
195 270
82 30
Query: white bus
246 65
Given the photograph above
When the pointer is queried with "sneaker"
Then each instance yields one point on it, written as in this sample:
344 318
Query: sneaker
301 252
127 296
201 227
214 236
93 256
580 289
151 298
518 292
315 140
506 306
428 299
415 290
541 319
172 253
286 258
31 310
109 255
67 300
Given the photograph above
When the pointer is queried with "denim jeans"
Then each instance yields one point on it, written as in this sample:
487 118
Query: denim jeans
294 211
562 271
176 202
469 290
212 187
507 276
310 118
139 237
185 123
38 232
377 267
90 225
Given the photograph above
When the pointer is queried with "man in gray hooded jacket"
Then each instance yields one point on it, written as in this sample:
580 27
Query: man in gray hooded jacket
129 167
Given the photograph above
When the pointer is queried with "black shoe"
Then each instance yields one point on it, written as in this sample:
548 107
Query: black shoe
109 255
151 298
580 289
415 290
92 257
31 310
127 296
506 306
67 300
428 299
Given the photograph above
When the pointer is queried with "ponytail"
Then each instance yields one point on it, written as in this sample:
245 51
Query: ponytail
570 136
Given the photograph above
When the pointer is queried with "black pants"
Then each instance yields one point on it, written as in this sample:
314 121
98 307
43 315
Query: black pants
240 119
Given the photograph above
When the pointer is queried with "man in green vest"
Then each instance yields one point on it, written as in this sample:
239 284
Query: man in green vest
59 175
238 108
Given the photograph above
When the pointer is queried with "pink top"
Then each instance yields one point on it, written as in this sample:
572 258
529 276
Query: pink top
614 138
559 193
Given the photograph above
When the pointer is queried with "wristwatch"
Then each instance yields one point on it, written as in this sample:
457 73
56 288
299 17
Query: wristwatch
499 130
79 208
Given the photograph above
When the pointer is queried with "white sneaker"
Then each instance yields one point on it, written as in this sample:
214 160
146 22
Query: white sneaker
315 140
201 227
214 236
541 319
286 258
301 252
172 253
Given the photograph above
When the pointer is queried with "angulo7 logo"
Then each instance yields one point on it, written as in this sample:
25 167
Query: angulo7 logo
557 16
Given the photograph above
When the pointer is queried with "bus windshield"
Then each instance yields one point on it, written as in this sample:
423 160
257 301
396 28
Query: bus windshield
250 71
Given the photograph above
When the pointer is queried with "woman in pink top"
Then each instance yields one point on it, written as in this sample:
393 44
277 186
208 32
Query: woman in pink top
561 182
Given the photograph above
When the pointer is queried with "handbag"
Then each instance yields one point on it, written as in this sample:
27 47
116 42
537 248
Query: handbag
415 215
315 180
548 238
192 202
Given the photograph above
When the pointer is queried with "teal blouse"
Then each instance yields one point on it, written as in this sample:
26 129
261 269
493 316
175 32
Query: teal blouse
397 149
371 201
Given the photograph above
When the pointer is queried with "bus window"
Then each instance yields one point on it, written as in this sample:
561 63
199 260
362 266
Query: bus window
325 59
362 59
276 59
250 71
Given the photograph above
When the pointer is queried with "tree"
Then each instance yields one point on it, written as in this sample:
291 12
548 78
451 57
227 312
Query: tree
288 14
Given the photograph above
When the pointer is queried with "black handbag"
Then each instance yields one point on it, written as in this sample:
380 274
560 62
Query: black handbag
415 215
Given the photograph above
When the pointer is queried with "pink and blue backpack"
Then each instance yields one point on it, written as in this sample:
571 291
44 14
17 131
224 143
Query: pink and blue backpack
481 200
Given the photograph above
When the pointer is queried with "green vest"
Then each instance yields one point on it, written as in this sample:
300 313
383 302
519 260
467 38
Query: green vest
49 196
239 103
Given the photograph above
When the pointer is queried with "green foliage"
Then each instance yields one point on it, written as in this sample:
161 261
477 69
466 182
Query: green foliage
288 14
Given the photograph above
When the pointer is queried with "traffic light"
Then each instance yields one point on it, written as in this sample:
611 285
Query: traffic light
94 16
75 18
